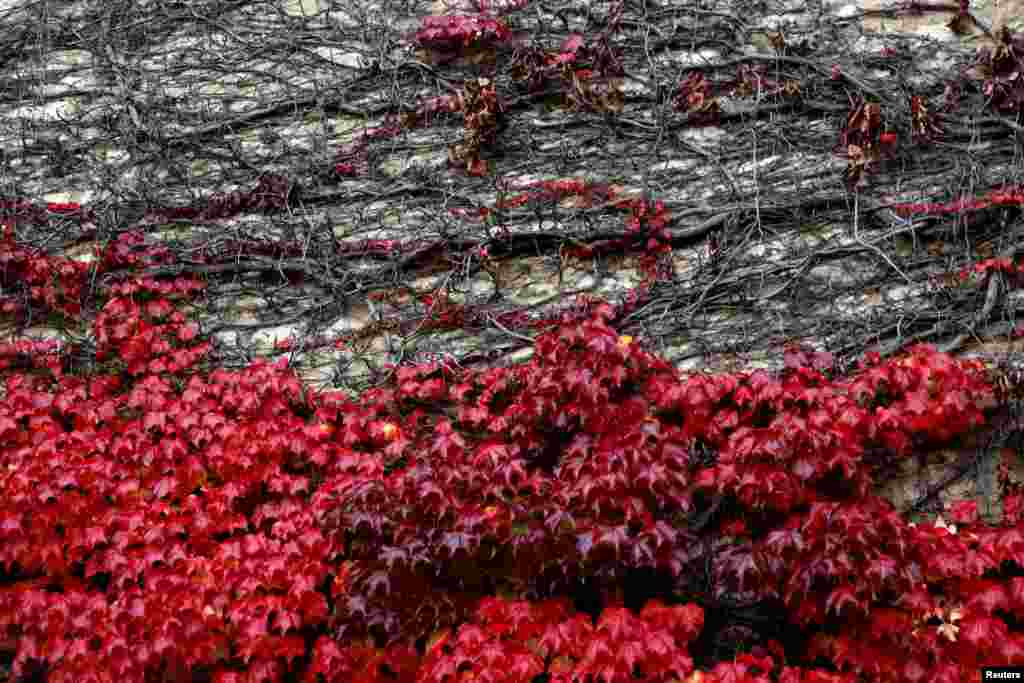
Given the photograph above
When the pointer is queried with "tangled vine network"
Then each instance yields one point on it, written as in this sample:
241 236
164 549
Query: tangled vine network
749 185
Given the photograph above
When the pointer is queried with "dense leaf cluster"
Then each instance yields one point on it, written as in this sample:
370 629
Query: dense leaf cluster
162 518
589 515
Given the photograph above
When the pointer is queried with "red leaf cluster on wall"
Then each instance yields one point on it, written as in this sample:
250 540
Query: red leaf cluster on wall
160 517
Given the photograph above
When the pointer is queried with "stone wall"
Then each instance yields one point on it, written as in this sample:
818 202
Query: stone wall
75 122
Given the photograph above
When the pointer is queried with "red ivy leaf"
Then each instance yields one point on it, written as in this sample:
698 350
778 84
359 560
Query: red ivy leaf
982 632
615 537
964 512
845 596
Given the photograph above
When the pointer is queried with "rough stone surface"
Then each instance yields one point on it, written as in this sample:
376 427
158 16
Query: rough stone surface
697 176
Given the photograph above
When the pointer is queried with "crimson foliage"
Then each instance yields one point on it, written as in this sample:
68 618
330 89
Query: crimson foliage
161 519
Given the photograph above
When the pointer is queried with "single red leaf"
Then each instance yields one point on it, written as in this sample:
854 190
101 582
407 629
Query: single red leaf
982 632
986 595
